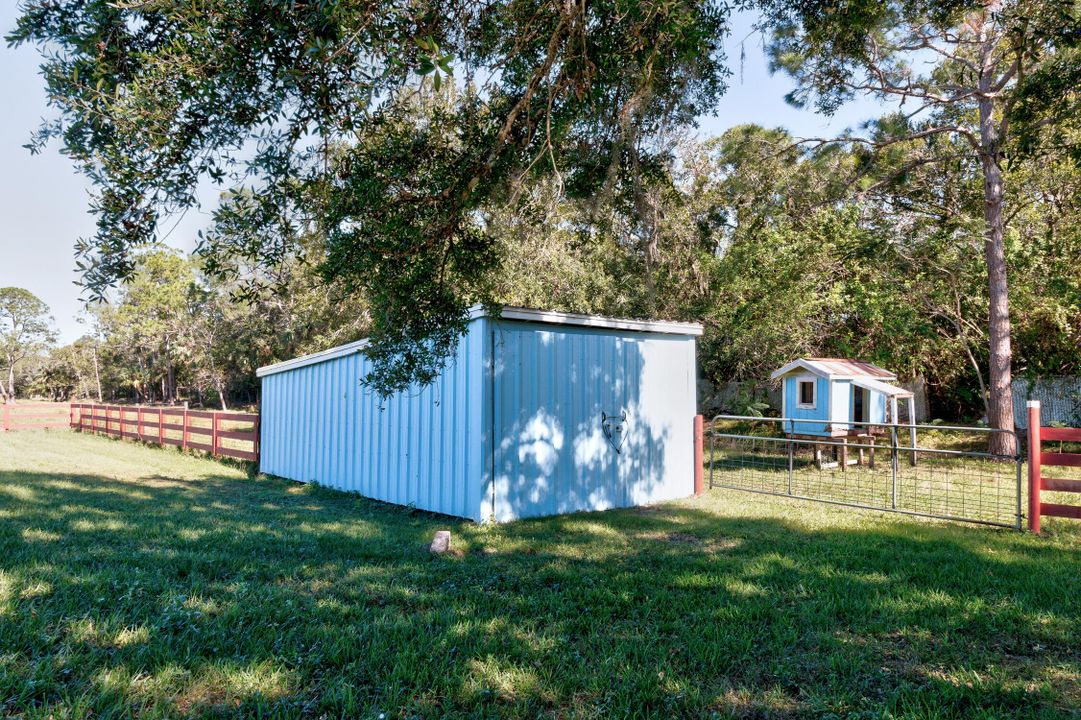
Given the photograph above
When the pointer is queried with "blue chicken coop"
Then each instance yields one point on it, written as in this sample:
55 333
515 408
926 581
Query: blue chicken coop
835 398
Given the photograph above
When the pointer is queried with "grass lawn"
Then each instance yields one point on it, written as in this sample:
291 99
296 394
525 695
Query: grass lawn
140 581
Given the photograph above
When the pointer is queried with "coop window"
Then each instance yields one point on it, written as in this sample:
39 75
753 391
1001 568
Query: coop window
806 391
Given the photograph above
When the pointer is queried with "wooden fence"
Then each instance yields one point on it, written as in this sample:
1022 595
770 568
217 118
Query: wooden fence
221 434
29 415
1038 458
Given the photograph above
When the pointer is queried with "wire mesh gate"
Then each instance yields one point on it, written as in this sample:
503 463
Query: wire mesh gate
930 470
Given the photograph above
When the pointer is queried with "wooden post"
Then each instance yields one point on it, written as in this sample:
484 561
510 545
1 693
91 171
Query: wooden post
699 456
139 422
161 427
214 435
71 415
256 438
184 442
1034 466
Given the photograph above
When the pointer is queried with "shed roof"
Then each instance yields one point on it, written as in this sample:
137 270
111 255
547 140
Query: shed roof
835 368
666 327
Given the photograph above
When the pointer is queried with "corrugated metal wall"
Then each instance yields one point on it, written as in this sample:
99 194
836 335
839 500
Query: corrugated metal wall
552 385
432 447
422 448
1060 400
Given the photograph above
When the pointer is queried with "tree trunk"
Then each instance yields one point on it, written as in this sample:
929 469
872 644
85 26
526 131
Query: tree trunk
1000 399
11 383
1000 395
220 384
170 385
97 374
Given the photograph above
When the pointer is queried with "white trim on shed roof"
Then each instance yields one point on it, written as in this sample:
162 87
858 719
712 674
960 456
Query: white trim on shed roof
548 317
881 387
668 327
322 356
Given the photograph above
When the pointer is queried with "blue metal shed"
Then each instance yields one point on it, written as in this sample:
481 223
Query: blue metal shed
537 413
846 396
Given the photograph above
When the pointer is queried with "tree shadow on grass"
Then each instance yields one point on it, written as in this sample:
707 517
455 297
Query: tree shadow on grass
223 597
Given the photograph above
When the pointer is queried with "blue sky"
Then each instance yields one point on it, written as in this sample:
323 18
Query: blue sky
43 202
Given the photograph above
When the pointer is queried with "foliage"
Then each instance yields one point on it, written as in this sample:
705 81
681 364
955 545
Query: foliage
959 65
175 334
25 329
151 97
892 273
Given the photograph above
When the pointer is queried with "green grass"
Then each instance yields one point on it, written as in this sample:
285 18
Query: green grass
140 581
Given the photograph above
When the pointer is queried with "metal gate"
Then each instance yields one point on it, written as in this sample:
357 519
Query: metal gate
930 470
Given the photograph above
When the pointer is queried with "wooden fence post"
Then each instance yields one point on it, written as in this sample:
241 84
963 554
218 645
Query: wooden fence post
699 456
213 434
139 422
161 427
1034 479
184 442
256 430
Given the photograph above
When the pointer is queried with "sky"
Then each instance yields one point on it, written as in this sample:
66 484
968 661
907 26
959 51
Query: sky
43 202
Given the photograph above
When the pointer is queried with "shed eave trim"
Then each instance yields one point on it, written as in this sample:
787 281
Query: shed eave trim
313 358
798 365
668 327
881 387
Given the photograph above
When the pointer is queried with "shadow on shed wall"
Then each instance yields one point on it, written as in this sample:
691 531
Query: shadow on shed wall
553 389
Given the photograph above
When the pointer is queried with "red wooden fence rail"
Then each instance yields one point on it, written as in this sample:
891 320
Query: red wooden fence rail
221 434
1037 458
27 415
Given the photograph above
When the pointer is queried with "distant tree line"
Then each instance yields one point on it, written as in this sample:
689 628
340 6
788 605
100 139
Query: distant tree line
172 336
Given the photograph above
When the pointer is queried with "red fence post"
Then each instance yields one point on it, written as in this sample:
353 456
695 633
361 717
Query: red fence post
256 438
213 434
699 459
1034 479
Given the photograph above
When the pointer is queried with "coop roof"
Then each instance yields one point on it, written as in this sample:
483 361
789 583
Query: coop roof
881 387
835 369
